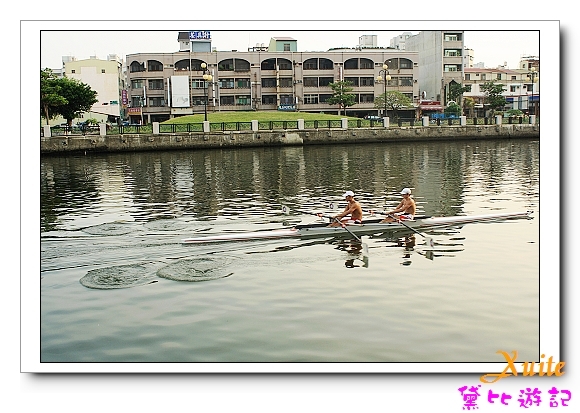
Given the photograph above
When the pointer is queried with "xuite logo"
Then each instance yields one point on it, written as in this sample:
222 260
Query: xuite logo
527 397
545 368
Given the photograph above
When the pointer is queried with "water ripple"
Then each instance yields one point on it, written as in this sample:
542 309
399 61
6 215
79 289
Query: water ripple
122 276
197 269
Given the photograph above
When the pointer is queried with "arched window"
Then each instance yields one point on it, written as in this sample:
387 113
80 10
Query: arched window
351 64
325 64
405 63
136 67
154 66
182 64
366 63
284 64
310 64
268 64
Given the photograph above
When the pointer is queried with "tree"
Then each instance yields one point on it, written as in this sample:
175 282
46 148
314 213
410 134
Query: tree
394 101
79 96
453 109
469 104
341 95
456 92
493 96
50 98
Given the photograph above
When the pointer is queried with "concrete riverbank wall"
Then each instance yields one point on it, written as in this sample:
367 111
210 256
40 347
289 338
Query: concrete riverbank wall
237 139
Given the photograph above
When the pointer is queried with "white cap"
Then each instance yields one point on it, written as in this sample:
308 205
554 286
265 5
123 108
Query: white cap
406 191
348 193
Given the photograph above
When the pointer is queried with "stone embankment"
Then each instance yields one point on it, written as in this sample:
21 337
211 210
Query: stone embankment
237 139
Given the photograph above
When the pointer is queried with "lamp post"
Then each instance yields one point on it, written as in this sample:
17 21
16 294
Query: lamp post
533 77
207 77
385 79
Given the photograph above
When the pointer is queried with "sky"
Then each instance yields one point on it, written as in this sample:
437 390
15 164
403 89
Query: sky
492 47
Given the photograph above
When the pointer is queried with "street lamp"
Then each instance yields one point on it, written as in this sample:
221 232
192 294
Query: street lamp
386 78
533 77
207 77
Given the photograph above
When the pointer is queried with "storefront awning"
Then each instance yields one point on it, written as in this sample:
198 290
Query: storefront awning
430 107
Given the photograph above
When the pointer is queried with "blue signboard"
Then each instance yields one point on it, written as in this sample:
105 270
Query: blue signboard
287 107
200 35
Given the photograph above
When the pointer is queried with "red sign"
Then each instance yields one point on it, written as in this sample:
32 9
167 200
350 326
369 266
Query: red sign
134 111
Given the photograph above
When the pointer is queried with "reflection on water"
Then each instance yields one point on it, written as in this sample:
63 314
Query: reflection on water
84 191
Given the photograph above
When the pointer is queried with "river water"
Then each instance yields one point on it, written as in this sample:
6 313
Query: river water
118 286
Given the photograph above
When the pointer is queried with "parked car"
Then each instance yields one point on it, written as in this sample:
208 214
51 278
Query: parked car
372 117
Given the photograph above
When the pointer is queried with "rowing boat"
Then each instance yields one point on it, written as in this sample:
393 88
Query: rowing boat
368 226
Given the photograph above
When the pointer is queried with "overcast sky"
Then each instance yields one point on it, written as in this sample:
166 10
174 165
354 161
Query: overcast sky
491 47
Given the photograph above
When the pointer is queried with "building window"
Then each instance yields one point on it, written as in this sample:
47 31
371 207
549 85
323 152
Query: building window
243 100
310 82
268 82
227 100
499 76
226 65
325 81
322 98
310 64
226 83
452 68
268 99
367 81
157 102
73 71
286 47
406 81
284 64
366 64
198 84
285 82
467 76
310 99
452 52
367 98
451 37
406 64
137 84
154 66
242 83
136 101
137 67
286 99
353 80
102 70
156 84
198 100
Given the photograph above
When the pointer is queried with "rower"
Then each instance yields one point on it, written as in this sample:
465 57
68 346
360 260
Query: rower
405 210
353 208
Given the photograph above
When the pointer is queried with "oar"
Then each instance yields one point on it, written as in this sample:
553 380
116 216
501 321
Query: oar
364 245
286 211
428 240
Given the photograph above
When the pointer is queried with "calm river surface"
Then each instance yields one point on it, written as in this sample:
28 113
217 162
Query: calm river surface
117 284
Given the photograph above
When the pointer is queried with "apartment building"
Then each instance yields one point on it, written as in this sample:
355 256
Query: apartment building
106 77
161 86
521 86
440 62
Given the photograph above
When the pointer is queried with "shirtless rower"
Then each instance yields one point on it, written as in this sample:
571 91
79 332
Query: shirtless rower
353 208
405 210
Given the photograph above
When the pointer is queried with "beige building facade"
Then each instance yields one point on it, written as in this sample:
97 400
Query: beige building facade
161 86
104 77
